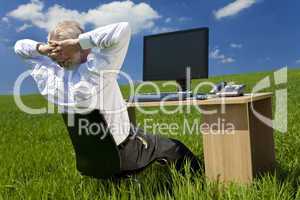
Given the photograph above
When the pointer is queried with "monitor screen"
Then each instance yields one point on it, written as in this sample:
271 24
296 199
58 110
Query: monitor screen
167 55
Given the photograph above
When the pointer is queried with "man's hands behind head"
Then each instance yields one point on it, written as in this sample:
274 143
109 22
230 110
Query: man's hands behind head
64 49
60 51
45 49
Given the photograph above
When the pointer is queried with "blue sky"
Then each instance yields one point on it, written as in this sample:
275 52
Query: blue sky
245 35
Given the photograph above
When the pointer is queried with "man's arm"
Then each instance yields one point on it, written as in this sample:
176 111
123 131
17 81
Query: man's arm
106 36
29 49
114 35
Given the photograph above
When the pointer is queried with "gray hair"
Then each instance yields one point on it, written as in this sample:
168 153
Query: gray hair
65 30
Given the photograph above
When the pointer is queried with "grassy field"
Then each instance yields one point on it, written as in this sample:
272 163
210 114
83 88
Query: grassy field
37 159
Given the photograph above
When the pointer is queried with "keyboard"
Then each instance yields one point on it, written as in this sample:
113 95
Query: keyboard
231 91
167 96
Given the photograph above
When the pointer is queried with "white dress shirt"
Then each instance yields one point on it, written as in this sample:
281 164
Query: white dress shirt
92 84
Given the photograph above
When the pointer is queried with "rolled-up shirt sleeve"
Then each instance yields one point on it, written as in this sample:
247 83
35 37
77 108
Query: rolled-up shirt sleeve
26 48
106 36
110 44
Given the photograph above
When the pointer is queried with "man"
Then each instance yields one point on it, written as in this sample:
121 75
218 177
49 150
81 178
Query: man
77 69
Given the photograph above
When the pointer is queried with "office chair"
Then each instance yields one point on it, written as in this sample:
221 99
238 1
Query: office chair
97 154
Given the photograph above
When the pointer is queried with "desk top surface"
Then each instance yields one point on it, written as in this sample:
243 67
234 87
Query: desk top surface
211 101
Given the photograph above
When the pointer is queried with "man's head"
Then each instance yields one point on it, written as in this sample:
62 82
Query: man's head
63 31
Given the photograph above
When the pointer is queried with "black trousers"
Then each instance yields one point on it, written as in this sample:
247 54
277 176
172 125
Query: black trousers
141 149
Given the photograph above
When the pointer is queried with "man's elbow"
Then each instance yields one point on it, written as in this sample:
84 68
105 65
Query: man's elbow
18 47
117 37
25 48
126 29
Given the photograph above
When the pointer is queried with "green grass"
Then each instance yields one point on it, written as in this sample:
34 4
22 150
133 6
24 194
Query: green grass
37 159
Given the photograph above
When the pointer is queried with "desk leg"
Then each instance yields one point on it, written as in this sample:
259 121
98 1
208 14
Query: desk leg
244 153
227 152
131 113
262 139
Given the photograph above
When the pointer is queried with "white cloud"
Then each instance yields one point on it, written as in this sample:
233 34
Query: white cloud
29 11
158 29
4 40
5 19
228 60
141 16
23 27
168 20
233 8
298 61
217 55
236 46
184 19
5 23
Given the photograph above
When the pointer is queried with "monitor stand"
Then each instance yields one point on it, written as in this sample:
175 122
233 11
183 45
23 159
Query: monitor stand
184 86
183 92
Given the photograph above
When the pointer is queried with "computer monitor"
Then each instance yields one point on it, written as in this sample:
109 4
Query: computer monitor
168 55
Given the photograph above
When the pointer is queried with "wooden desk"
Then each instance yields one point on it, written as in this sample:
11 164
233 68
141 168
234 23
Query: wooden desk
244 153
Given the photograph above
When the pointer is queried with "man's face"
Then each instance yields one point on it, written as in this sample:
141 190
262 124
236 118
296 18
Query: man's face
71 60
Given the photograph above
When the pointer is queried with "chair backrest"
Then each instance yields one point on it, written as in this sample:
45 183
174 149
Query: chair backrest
97 154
